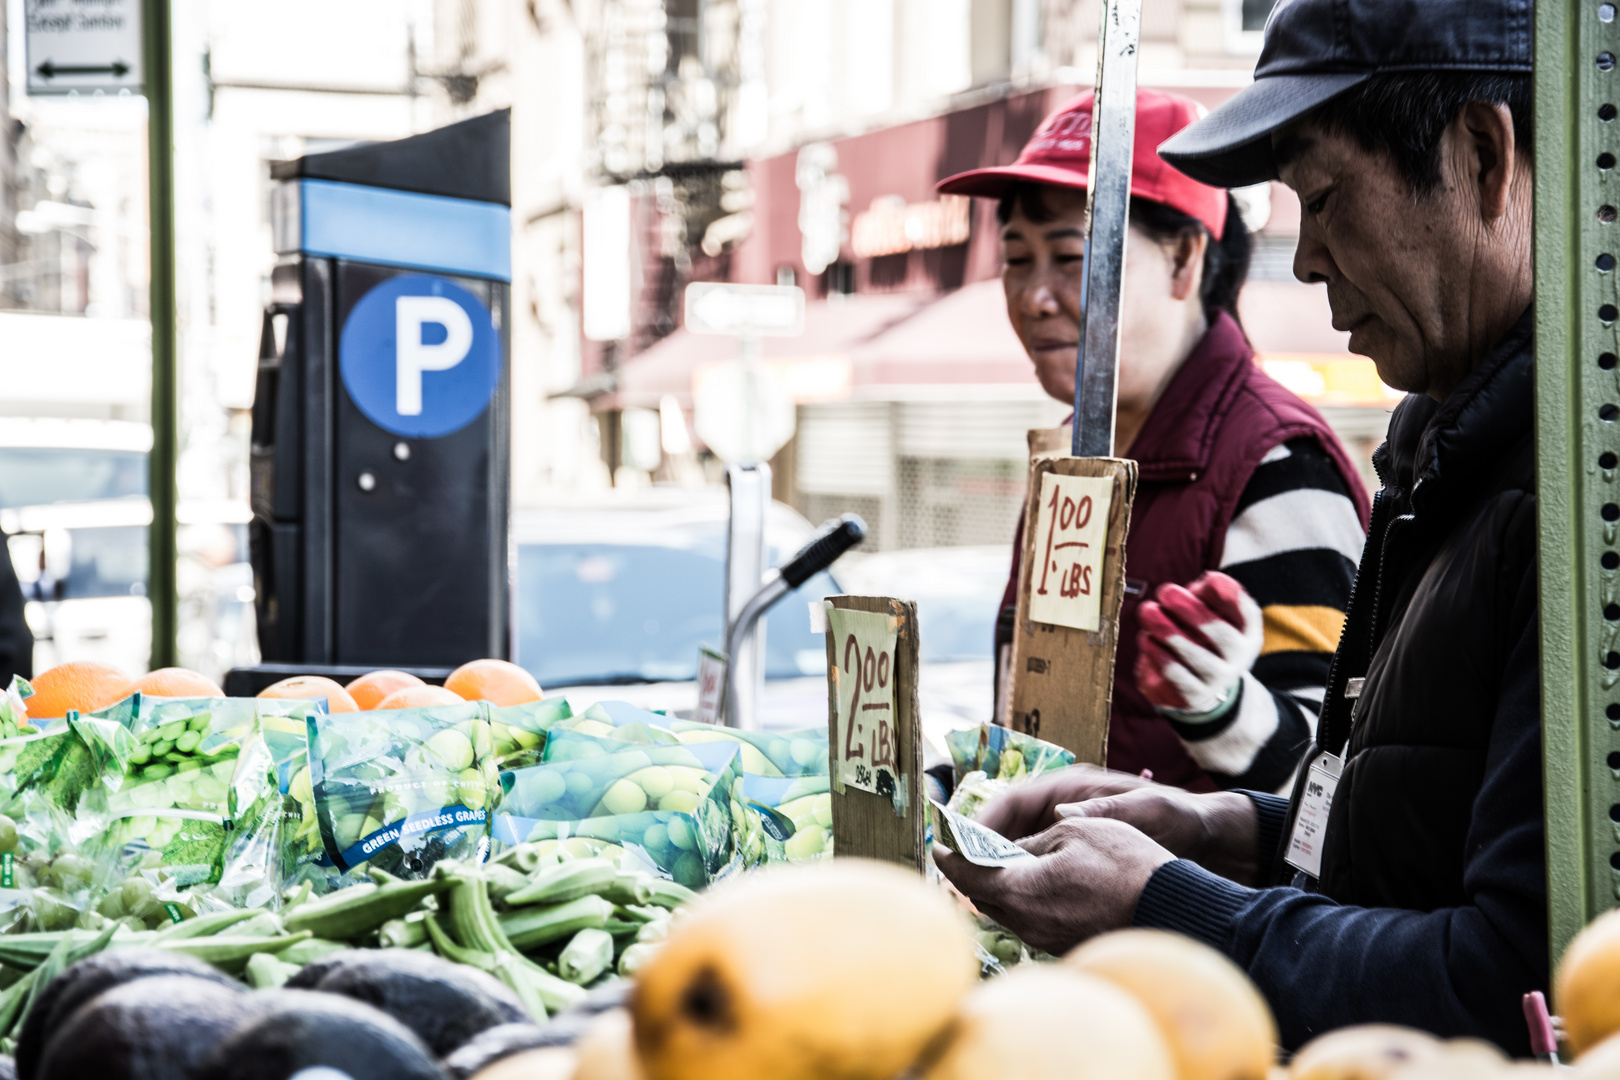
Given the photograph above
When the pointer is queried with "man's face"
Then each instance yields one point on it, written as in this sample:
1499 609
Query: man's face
1396 266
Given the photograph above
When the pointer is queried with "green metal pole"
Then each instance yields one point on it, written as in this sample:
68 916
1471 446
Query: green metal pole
158 71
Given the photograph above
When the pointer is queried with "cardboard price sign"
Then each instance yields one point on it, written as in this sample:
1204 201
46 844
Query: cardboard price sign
874 730
1064 639
1071 533
866 743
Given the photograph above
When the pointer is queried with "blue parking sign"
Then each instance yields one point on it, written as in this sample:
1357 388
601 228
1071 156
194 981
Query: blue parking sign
420 356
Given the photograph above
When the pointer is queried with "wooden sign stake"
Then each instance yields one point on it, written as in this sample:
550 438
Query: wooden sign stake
1063 678
865 823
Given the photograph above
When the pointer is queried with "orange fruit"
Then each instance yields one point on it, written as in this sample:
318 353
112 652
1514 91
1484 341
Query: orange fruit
313 686
1583 985
369 689
420 697
498 682
78 684
177 682
1217 1025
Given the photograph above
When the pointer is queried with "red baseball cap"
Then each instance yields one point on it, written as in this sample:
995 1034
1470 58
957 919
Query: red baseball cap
1059 154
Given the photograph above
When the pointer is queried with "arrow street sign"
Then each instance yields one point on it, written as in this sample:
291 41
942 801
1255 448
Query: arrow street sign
81 46
716 307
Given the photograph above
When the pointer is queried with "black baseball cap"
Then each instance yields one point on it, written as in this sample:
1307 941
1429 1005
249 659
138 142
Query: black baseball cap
1317 49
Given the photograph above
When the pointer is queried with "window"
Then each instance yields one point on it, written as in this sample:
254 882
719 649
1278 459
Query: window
1245 22
1254 14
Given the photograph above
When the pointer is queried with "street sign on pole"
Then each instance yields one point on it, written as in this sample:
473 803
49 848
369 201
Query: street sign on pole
81 46
718 307
162 586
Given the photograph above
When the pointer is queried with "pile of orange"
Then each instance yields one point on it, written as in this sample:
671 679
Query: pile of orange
85 686
498 682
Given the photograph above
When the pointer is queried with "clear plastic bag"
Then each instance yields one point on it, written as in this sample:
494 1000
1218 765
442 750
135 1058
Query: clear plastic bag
675 804
164 802
518 732
400 790
1003 754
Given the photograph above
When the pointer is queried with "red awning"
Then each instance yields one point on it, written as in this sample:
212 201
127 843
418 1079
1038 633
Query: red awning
901 345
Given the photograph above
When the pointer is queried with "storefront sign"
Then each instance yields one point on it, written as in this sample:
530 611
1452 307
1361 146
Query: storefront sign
892 226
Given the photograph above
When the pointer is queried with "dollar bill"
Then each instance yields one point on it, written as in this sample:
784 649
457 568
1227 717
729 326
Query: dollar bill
972 841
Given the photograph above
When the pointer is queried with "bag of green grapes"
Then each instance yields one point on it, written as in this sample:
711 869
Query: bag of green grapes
623 721
399 790
766 753
518 732
677 804
1003 754
796 816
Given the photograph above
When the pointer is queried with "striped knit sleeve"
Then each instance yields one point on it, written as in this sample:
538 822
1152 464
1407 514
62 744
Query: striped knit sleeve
1293 543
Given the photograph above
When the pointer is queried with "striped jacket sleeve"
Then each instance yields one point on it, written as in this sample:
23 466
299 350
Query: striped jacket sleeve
1294 542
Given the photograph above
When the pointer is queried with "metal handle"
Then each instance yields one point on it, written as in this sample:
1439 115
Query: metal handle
831 540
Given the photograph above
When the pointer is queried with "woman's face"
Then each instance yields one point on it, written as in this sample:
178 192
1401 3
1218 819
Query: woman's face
1043 267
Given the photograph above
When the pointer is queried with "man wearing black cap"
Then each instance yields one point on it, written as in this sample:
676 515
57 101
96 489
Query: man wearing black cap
1405 880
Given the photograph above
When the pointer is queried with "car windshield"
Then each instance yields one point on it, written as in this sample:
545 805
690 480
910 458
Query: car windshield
39 475
604 612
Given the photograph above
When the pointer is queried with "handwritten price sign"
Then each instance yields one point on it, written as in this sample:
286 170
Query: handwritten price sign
1071 532
866 744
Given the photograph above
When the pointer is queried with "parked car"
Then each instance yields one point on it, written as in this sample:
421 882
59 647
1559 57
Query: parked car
74 508
614 596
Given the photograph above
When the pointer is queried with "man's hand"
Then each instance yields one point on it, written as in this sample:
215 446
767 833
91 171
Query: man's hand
1085 881
1031 807
1194 646
1219 832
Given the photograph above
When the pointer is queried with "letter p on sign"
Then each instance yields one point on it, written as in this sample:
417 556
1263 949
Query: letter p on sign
413 356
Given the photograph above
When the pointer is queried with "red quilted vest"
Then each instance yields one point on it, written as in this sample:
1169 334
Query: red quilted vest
1219 416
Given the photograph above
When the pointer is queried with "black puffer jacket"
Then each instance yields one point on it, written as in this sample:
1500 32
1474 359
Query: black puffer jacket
1431 910
1440 607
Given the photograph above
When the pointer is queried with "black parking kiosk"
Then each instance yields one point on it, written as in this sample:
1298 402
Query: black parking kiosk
380 453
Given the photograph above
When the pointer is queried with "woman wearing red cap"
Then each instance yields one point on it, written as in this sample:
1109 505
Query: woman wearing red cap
1249 519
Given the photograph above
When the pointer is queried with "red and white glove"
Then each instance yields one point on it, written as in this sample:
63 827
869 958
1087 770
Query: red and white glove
1195 644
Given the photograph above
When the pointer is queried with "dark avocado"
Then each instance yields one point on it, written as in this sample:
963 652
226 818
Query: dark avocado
310 975
292 1030
158 1028
62 996
445 1004
499 1043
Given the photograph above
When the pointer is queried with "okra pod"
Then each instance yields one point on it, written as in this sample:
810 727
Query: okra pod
403 933
634 958
447 948
529 928
311 950
504 881
668 894
587 954
629 888
349 913
566 882
205 925
230 954
265 972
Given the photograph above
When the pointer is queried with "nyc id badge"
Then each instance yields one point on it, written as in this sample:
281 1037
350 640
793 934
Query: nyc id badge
1310 827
